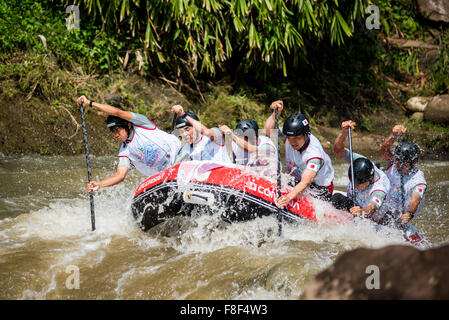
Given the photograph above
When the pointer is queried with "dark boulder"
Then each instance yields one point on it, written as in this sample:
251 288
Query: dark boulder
393 272
437 110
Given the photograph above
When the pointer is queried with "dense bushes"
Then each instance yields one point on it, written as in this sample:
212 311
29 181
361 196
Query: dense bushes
40 27
206 34
316 55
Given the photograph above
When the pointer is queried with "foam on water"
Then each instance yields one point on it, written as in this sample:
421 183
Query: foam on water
71 218
209 233
61 229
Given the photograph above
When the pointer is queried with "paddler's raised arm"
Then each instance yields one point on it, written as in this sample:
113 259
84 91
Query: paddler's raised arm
339 144
198 126
241 142
270 123
385 147
113 111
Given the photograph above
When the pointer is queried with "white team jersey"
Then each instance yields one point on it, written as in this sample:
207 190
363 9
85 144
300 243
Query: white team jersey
381 184
413 182
297 161
207 149
266 152
150 150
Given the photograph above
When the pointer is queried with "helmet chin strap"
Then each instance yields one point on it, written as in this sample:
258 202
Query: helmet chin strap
306 143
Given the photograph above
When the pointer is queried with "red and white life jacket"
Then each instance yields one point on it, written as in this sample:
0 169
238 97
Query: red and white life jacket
150 150
297 161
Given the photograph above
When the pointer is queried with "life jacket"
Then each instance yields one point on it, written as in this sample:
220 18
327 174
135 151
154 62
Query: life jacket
204 148
362 197
243 158
150 150
297 161
411 181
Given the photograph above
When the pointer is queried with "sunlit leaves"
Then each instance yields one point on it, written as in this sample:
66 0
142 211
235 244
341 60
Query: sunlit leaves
206 33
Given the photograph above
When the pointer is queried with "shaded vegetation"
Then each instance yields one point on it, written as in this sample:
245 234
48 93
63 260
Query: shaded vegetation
226 60
205 34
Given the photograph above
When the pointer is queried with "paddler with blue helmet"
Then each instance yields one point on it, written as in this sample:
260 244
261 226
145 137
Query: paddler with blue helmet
143 145
305 157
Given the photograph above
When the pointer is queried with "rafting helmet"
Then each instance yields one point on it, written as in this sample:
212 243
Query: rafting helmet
363 171
407 151
247 126
182 122
295 125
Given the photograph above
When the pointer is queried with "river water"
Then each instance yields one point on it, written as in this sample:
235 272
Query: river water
48 251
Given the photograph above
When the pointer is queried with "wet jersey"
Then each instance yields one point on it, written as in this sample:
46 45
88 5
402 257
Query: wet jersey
148 148
298 161
266 151
206 148
375 193
414 182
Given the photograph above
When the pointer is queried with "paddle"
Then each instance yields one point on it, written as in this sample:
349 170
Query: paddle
173 123
279 215
352 164
401 173
89 174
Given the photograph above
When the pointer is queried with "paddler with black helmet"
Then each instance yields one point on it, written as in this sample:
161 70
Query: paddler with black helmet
414 184
143 145
201 142
371 183
305 157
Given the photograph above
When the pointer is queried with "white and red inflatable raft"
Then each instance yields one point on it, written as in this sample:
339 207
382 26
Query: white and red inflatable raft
236 193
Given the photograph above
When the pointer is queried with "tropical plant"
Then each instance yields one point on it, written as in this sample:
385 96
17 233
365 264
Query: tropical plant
206 34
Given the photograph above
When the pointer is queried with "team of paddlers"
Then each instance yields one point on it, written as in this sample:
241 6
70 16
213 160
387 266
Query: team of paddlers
392 196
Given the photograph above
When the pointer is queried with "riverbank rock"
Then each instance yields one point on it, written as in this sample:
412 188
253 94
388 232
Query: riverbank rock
417 104
393 272
417 116
437 110
435 10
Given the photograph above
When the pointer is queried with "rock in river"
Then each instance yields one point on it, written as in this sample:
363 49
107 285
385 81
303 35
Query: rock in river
392 272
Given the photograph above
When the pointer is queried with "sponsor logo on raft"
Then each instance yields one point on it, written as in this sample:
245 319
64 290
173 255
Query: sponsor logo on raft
261 190
294 205
151 181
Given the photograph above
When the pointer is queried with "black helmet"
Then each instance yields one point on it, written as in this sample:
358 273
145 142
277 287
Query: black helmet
113 121
296 125
363 171
246 125
407 151
182 121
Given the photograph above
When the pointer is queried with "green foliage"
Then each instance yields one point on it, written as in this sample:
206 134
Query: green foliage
366 124
25 25
224 107
440 75
205 34
399 18
402 20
